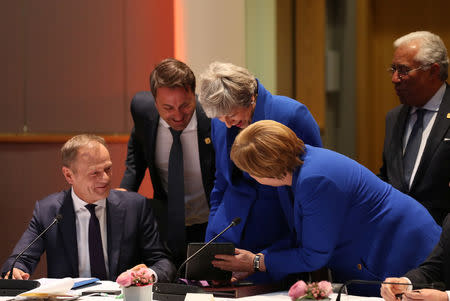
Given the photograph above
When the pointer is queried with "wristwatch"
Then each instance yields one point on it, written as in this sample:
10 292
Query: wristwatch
256 262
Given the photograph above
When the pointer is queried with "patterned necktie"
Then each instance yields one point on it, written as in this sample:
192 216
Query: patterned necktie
412 148
96 258
176 219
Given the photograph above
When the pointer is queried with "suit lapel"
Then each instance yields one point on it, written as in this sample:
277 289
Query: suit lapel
68 230
115 221
440 127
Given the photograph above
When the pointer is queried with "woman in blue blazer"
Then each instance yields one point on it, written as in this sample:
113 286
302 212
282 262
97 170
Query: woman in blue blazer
344 217
235 99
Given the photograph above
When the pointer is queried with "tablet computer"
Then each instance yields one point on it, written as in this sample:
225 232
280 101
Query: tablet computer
200 267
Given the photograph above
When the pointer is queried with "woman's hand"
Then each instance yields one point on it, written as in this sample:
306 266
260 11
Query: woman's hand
241 261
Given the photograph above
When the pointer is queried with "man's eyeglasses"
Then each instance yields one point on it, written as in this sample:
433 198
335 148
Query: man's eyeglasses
403 70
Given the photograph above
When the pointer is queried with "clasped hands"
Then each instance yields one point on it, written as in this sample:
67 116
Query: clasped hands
394 292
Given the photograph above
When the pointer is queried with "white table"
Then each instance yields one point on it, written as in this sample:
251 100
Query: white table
276 296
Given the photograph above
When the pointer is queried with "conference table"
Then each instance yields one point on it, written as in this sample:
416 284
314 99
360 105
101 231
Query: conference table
111 286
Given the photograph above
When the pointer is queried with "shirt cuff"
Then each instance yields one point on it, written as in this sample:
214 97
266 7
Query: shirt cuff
408 287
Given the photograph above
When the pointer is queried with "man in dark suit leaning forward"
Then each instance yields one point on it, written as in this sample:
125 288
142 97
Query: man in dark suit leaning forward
171 137
416 155
102 232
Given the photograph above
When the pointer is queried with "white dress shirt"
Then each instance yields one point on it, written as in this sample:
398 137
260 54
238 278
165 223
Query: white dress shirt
82 217
429 116
196 204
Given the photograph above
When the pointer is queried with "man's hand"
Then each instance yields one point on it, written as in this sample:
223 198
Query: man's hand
120 189
388 291
425 294
18 274
143 266
241 261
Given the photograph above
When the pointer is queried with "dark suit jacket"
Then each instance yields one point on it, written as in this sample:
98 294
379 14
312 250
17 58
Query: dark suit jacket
436 267
431 183
141 152
132 237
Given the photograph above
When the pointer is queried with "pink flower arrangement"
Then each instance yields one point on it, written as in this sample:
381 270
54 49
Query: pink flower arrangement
316 290
138 276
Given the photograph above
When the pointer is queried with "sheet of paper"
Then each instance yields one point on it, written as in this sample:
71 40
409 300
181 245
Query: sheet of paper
50 287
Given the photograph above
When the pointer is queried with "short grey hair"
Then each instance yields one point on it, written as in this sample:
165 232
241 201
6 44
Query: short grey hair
223 87
432 50
69 151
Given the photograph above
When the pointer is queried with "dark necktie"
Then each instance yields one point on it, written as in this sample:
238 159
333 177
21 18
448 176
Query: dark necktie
96 257
412 147
176 220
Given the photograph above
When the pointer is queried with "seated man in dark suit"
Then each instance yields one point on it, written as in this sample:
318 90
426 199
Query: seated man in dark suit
102 232
436 268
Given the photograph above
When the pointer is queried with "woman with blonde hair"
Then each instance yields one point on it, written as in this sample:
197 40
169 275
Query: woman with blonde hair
342 215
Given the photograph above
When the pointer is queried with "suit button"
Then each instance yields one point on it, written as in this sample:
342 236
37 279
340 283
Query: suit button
359 266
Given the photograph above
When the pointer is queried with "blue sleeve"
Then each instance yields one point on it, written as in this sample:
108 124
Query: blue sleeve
305 126
320 223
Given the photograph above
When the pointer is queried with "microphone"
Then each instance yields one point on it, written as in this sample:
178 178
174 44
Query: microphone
435 285
176 291
235 222
56 220
9 287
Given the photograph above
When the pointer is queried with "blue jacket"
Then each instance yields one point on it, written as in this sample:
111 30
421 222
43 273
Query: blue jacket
349 220
235 194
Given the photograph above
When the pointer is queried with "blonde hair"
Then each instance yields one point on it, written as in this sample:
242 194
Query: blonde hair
69 151
267 149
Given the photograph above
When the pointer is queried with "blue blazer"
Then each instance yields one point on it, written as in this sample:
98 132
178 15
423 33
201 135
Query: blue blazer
132 237
236 194
350 221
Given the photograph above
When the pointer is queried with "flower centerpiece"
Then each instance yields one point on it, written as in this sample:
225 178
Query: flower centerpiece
137 283
315 290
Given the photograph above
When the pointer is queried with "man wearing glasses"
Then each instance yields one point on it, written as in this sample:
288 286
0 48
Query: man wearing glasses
416 155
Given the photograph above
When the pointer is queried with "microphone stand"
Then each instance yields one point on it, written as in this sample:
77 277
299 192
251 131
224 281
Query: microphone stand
10 286
177 291
232 224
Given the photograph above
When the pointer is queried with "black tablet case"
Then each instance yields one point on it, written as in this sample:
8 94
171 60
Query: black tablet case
200 267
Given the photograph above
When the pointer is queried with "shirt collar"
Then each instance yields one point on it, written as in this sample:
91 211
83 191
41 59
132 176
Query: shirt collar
435 102
192 125
79 204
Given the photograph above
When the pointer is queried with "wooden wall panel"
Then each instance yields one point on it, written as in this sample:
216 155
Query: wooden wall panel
310 57
379 24
69 67
75 66
285 48
12 63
